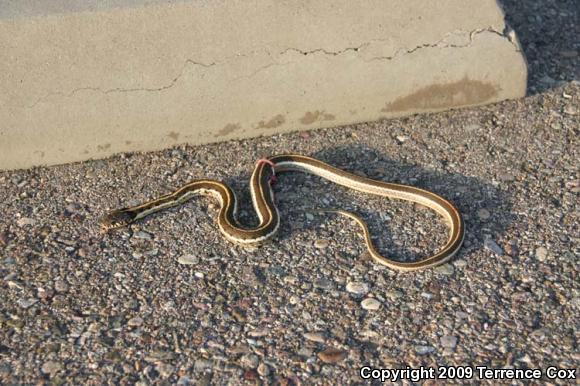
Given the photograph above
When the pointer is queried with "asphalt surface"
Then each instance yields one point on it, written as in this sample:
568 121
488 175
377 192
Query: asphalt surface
167 300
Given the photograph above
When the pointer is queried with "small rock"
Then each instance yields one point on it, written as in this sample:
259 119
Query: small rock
568 54
202 364
315 336
369 334
445 269
184 381
323 283
51 367
250 361
507 177
188 260
491 245
449 341
251 375
259 333
423 350
4 238
321 243
541 253
370 304
570 110
26 303
304 351
548 80
164 369
142 235
152 252
357 288
5 369
483 214
263 369
135 322
309 216
332 355
73 208
402 138
394 294
427 295
512 248
460 263
23 221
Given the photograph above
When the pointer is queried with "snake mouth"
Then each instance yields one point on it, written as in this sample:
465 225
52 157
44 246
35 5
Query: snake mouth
117 219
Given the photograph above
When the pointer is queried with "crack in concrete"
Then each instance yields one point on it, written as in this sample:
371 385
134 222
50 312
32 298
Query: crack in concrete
506 33
174 81
325 52
438 44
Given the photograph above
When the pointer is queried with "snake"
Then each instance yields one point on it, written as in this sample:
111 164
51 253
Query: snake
261 181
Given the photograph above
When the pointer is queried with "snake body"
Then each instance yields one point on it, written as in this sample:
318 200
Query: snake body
263 201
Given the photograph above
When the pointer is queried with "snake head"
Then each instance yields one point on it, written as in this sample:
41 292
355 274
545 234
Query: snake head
117 218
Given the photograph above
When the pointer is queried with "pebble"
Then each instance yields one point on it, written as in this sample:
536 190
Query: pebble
491 245
357 288
259 333
423 350
188 260
570 110
369 334
323 283
184 381
164 369
568 54
251 375
202 364
507 177
483 214
402 138
542 253
512 248
445 269
332 355
370 304
26 303
135 322
304 351
51 367
394 294
142 235
249 361
321 243
23 221
263 369
315 336
427 295
4 238
73 208
449 341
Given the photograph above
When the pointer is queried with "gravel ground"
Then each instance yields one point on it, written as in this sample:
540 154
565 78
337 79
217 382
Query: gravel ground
167 300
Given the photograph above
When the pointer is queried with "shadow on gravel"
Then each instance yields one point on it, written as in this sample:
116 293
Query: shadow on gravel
469 194
547 31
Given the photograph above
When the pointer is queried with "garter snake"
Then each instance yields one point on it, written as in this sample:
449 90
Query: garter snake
263 201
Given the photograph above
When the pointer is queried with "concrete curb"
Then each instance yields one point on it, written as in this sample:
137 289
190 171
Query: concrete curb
137 75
